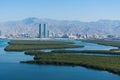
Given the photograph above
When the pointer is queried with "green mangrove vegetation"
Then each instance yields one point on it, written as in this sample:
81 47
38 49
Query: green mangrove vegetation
23 45
111 63
88 51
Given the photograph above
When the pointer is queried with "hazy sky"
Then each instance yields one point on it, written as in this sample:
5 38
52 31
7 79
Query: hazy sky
83 10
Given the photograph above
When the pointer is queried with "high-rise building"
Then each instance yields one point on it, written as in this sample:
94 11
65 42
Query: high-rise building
43 31
0 33
40 31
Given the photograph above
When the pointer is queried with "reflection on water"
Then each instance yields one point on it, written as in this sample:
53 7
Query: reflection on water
44 72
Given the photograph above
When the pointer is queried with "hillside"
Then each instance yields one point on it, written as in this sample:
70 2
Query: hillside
30 26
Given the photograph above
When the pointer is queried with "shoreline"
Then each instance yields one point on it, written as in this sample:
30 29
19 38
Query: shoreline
70 64
75 60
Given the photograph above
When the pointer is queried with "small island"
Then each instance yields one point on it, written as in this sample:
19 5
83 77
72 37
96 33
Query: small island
24 45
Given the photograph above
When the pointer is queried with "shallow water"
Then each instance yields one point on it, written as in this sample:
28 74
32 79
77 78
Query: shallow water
11 57
90 46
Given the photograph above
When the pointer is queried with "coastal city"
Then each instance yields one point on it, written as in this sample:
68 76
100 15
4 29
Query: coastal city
44 32
59 40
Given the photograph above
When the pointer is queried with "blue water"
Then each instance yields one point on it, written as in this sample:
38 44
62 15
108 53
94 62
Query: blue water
11 69
42 72
11 57
87 46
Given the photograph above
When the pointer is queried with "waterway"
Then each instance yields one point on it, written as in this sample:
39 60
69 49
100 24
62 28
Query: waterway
87 46
11 69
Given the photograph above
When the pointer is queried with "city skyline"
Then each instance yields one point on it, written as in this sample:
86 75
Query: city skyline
83 10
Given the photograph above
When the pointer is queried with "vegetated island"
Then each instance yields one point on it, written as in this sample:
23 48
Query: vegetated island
63 57
105 52
111 63
24 45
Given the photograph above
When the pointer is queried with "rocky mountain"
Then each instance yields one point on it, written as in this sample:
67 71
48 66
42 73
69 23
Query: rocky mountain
30 26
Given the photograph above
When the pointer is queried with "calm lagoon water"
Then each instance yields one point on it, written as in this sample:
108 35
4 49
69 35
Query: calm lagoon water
87 46
11 69
90 46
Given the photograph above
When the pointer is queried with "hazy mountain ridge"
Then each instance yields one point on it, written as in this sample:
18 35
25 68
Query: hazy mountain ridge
30 26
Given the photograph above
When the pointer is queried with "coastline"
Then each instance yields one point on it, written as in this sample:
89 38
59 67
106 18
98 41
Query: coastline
94 62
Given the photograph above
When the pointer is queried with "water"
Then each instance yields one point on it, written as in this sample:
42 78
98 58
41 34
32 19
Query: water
90 46
11 69
42 72
11 57
87 46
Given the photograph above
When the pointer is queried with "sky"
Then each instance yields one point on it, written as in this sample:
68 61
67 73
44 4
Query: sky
83 10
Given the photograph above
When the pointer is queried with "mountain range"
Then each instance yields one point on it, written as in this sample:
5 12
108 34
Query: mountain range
30 26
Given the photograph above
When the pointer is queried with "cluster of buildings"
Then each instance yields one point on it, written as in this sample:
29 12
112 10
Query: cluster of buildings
82 36
78 36
43 32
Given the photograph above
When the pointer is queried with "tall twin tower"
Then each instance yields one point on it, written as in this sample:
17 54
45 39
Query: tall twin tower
43 31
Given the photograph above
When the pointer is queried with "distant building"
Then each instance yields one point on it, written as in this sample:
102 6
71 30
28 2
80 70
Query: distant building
43 31
0 33
72 37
